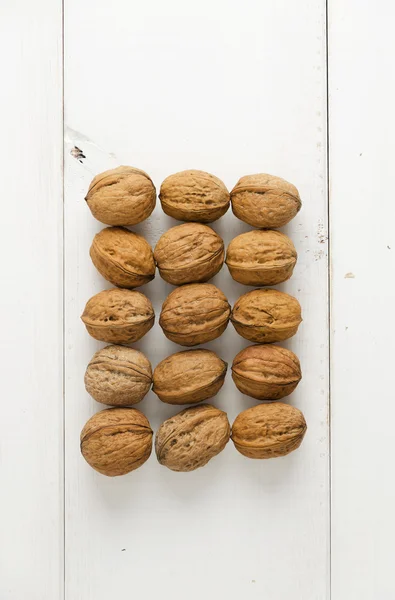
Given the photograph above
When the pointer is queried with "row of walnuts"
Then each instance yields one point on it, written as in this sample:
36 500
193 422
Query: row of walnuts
119 440
127 196
192 252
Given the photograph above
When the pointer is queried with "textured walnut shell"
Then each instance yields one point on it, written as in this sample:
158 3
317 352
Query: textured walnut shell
261 258
188 377
191 438
266 372
266 316
265 201
118 376
268 430
118 316
121 196
194 314
194 196
116 441
189 253
124 258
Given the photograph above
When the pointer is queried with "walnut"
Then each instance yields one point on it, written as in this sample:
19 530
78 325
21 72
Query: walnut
194 314
266 372
118 376
191 438
118 316
121 196
261 258
266 316
116 441
189 253
188 377
124 258
265 201
194 196
268 430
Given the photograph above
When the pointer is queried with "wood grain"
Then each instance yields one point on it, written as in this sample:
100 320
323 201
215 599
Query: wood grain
31 440
231 90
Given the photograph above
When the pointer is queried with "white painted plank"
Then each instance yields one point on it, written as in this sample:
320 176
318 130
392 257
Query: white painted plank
362 133
230 88
31 440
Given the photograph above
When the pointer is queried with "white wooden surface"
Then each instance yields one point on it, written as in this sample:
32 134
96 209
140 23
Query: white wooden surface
231 88
362 133
31 435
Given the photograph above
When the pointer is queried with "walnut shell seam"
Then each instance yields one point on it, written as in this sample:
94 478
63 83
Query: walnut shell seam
122 268
130 429
110 176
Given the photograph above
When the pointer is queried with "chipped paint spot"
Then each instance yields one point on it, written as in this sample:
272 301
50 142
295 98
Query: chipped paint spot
77 153
71 136
349 276
322 235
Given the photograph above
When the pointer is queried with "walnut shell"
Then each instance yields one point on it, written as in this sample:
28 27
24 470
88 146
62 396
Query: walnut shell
191 438
189 377
266 316
194 196
268 430
116 441
118 316
265 201
261 257
124 258
121 196
189 253
118 376
266 372
194 314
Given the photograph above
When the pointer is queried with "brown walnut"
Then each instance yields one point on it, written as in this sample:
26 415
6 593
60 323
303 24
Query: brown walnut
268 430
266 316
266 372
118 376
124 258
261 258
191 438
189 253
121 196
118 316
194 314
189 377
265 201
116 441
194 196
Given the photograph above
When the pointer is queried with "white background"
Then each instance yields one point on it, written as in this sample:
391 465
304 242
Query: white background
231 88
